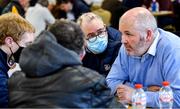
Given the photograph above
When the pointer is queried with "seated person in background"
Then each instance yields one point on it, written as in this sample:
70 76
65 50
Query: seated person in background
70 9
17 6
102 43
51 5
15 33
40 16
52 73
149 56
3 4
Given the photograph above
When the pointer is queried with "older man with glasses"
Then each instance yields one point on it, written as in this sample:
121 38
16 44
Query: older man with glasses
102 43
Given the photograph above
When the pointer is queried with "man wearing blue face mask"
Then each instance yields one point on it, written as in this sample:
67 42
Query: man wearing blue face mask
102 43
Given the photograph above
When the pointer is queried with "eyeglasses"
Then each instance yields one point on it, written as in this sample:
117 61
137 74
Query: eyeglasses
92 37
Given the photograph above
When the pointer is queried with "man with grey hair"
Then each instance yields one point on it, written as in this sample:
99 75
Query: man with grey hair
149 56
102 43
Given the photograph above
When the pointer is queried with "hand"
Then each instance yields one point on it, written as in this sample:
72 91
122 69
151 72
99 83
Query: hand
124 93
154 88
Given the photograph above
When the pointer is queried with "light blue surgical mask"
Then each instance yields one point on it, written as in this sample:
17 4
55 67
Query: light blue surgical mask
99 45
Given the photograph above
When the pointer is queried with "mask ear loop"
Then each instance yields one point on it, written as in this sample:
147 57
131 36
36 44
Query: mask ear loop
82 54
11 61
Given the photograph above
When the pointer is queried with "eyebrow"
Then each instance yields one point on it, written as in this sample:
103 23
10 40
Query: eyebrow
97 30
90 34
129 33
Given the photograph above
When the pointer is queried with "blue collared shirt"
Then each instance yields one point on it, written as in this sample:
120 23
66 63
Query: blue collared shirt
160 63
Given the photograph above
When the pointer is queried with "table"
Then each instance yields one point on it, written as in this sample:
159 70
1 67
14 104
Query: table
162 13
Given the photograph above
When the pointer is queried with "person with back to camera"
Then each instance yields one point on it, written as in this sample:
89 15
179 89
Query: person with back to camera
148 56
52 73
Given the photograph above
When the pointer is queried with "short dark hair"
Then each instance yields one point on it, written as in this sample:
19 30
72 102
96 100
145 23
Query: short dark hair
43 2
68 34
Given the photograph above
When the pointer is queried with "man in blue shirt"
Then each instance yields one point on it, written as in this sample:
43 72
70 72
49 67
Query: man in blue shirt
148 56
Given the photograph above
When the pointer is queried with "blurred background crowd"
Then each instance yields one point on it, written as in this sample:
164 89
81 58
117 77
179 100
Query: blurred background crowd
109 10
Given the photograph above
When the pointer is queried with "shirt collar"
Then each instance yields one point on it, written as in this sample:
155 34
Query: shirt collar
152 49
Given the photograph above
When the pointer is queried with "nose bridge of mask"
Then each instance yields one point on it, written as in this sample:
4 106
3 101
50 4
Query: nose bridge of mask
102 38
92 39
99 45
98 39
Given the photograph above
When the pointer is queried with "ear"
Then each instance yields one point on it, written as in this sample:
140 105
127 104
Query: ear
9 41
149 36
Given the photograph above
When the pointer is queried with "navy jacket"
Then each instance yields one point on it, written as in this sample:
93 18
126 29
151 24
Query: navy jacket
102 62
3 80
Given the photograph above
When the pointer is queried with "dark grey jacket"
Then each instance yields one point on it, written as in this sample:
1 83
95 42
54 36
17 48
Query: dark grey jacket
52 76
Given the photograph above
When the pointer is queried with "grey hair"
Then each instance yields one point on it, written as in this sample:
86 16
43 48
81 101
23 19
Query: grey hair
144 21
88 17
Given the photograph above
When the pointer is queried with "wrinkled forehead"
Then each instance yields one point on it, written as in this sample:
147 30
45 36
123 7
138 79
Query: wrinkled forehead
126 22
92 26
128 18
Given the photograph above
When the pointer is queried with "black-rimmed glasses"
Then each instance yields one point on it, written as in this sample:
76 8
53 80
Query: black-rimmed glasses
92 37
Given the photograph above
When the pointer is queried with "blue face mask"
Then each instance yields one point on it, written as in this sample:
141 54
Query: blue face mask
99 45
